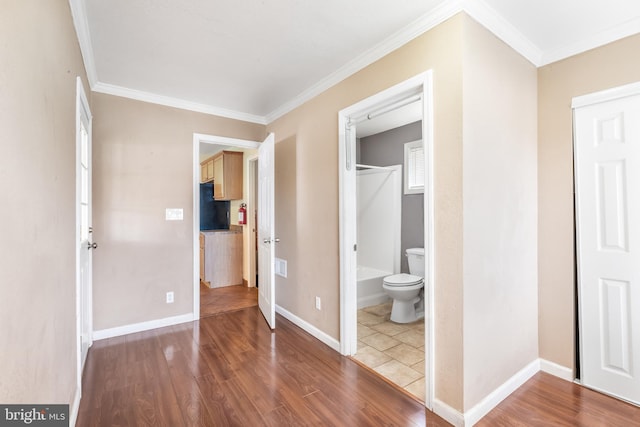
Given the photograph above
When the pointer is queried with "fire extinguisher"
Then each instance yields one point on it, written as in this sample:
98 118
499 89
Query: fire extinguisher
242 214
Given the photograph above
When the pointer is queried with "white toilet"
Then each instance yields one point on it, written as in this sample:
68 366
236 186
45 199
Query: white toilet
406 289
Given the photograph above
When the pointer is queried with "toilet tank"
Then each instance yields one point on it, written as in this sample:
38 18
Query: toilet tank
415 256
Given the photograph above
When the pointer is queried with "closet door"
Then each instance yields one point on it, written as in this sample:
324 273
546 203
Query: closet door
607 168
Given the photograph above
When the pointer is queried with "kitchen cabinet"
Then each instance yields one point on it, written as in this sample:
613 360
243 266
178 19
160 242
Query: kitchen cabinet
206 170
221 258
227 175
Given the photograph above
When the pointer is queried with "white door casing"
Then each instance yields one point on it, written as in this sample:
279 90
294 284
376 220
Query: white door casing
215 140
607 175
266 231
418 87
84 230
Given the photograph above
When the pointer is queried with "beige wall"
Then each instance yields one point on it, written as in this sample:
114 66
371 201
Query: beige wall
603 68
500 213
307 194
143 164
40 60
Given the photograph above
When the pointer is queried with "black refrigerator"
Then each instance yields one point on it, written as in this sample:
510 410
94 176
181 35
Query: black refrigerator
214 214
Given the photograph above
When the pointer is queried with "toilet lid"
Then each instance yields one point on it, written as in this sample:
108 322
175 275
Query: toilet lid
402 279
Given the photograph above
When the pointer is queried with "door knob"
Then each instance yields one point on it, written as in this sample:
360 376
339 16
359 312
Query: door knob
277 240
92 245
266 241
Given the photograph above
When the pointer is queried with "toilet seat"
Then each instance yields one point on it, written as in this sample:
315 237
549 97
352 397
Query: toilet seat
402 280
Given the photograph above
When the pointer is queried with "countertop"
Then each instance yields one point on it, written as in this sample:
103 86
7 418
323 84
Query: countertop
233 229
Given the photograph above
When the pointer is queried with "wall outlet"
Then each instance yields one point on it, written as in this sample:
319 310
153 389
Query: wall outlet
318 304
169 297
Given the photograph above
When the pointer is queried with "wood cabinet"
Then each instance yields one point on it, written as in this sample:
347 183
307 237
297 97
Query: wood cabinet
225 170
227 175
206 170
221 258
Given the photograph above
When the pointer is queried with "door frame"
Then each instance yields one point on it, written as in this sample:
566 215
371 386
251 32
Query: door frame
632 89
207 139
83 299
419 85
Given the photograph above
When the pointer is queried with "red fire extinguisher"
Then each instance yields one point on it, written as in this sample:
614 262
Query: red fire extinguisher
242 214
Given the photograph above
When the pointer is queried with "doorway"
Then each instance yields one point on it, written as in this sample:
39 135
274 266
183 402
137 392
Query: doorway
236 232
224 246
415 91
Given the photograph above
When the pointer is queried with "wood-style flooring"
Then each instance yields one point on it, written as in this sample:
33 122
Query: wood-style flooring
231 370
227 298
546 400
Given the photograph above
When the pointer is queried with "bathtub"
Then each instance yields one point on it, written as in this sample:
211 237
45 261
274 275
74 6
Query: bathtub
370 290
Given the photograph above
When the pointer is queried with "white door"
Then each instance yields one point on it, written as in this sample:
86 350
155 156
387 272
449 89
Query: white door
607 152
84 229
266 236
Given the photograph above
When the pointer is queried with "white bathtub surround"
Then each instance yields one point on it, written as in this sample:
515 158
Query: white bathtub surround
379 216
370 290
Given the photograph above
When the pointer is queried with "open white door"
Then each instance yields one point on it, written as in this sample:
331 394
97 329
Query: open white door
266 232
607 151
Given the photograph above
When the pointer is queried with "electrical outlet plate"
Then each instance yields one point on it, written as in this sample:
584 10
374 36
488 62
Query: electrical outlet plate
169 297
318 304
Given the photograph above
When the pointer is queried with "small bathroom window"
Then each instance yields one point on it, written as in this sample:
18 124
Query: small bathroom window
413 167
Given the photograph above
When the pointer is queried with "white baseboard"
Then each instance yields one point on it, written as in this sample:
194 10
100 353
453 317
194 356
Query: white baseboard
75 407
447 413
557 370
143 326
492 400
309 328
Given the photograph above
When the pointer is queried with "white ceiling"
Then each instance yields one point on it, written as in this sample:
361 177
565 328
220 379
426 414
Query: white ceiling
256 59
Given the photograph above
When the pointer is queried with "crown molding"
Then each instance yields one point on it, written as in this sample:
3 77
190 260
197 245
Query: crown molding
423 24
477 9
627 29
168 101
80 22
501 28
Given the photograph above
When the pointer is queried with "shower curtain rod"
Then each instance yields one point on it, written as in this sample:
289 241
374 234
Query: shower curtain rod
358 165
386 109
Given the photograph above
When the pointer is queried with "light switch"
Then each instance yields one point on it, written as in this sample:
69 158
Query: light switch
174 214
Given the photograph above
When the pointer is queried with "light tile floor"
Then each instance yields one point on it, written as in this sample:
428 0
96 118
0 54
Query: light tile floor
394 350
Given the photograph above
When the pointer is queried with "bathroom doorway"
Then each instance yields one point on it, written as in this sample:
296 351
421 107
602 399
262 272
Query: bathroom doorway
382 214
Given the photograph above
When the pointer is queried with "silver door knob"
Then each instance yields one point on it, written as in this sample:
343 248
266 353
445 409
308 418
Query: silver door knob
276 240
266 241
92 245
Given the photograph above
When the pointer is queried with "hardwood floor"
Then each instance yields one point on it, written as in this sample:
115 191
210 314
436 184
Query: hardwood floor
228 298
231 370
545 400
